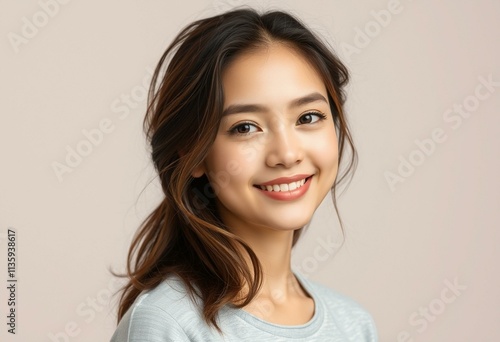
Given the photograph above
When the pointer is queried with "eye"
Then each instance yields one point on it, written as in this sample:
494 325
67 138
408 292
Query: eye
242 129
311 117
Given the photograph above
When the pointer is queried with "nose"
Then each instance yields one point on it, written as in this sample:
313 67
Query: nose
284 148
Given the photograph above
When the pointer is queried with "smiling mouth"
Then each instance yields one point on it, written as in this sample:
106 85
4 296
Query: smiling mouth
283 187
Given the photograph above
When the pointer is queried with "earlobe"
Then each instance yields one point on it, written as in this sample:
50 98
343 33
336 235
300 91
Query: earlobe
198 172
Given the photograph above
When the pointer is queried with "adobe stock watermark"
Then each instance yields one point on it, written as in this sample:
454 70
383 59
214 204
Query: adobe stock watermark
454 116
31 26
249 150
93 137
264 307
87 311
424 316
372 29
325 249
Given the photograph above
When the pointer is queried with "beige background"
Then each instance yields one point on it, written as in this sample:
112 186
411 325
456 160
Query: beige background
405 246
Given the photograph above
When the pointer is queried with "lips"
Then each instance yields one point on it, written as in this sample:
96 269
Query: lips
286 180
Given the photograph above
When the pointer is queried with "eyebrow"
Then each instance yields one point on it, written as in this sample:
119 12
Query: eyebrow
253 108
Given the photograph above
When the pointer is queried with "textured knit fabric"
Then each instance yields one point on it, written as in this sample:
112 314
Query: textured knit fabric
166 313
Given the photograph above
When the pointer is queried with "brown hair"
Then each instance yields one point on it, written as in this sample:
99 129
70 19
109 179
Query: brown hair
184 235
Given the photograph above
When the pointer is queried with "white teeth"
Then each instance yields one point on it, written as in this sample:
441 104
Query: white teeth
283 187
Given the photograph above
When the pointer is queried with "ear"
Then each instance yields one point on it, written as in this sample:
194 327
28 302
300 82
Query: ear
199 171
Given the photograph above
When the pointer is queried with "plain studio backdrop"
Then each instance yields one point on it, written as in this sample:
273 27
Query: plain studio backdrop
421 214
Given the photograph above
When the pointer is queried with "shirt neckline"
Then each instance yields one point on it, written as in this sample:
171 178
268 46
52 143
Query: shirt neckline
290 331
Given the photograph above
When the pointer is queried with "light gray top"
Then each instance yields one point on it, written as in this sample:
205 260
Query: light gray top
166 313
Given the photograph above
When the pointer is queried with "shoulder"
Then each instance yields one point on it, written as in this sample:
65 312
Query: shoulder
348 314
337 301
158 315
171 295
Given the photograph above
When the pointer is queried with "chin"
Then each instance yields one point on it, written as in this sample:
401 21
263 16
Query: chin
292 225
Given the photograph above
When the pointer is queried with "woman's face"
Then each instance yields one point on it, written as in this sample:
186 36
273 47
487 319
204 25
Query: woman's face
277 123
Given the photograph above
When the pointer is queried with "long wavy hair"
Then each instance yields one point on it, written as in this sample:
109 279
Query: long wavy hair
184 235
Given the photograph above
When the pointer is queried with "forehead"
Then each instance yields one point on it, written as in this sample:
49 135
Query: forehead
274 71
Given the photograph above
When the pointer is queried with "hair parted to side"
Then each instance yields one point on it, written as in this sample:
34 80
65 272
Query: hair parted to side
184 235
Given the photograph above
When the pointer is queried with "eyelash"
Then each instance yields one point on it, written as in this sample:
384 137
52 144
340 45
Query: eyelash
233 130
318 114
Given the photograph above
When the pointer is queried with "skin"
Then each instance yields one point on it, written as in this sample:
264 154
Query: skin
280 141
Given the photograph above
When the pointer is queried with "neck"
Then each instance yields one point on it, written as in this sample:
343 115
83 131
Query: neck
273 249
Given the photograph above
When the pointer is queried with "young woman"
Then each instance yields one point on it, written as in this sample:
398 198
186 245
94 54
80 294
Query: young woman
247 130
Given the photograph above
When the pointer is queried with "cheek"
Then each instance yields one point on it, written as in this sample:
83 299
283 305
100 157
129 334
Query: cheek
324 147
227 164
